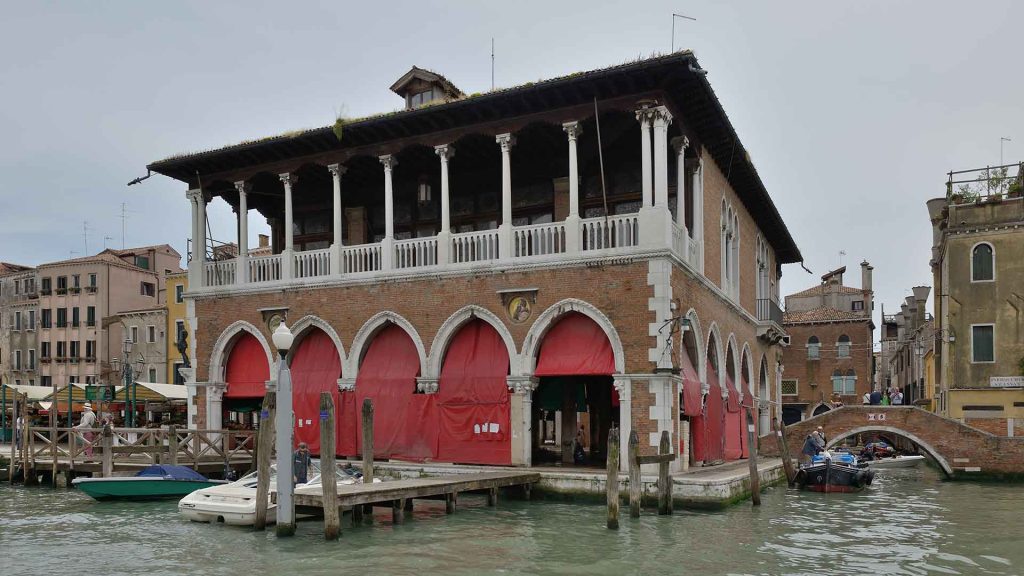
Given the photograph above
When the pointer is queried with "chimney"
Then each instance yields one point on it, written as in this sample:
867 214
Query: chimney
910 312
865 275
901 323
264 240
921 299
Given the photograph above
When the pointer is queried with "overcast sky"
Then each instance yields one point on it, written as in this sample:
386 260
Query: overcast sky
852 111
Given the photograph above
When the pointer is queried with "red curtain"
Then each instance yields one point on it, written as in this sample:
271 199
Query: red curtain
315 368
473 401
734 424
404 425
707 428
575 346
691 387
247 370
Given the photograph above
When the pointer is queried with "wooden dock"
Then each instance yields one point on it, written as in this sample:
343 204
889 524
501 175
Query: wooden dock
399 494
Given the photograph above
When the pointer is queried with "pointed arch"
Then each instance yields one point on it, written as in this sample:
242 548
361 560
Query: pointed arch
451 327
697 335
226 341
732 362
713 351
303 326
369 329
747 370
547 319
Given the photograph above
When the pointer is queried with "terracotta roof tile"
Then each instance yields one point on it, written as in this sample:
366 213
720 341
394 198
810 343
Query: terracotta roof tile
823 314
820 289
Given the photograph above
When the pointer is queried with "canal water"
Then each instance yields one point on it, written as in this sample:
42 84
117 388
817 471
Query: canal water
908 522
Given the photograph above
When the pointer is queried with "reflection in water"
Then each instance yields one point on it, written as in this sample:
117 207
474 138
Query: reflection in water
908 522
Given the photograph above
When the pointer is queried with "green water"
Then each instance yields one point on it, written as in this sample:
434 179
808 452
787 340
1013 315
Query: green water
908 522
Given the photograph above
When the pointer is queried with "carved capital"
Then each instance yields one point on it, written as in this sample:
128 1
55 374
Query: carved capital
270 385
643 116
660 116
337 170
573 129
621 385
681 144
507 141
346 384
243 187
445 151
196 194
288 179
522 384
389 162
215 390
426 385
187 374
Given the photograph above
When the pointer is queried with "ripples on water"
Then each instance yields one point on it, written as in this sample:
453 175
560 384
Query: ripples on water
908 522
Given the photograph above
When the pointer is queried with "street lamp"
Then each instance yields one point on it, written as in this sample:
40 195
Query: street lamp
283 339
126 367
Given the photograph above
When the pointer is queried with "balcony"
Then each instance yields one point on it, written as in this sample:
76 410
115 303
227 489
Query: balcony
90 289
553 243
769 319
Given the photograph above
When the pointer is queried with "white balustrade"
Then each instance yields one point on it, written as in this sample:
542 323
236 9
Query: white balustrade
474 246
614 232
362 258
693 253
313 263
220 273
265 268
538 239
416 252
679 239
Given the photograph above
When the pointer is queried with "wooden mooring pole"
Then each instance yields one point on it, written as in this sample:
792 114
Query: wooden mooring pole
106 444
264 452
28 473
787 461
13 463
635 485
332 520
612 482
755 478
664 480
357 511
172 445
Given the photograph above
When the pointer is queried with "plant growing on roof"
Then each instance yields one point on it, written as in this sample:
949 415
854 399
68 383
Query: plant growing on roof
339 122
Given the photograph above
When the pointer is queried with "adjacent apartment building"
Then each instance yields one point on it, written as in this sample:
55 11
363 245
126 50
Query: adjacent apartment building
79 300
481 266
177 286
829 359
19 325
978 268
905 349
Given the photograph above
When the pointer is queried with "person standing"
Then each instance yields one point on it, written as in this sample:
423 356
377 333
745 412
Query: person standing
876 397
85 426
300 464
897 398
867 398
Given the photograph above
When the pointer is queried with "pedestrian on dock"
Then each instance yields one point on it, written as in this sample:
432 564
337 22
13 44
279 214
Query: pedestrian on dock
85 427
300 464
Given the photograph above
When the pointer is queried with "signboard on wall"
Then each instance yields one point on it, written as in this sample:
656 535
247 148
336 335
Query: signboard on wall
1006 381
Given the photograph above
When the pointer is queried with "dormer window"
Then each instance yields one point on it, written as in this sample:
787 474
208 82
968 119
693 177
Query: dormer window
421 87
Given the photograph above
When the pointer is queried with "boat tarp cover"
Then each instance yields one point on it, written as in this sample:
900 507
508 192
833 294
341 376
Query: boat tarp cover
691 386
473 400
247 370
315 368
402 424
173 472
575 346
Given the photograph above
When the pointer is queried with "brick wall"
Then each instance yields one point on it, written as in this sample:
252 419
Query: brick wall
805 371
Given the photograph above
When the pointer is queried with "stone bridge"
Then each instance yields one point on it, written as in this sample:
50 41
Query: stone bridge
962 452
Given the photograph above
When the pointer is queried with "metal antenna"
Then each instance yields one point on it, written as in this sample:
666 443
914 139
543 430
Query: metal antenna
124 220
842 253
492 62
1001 140
105 238
674 16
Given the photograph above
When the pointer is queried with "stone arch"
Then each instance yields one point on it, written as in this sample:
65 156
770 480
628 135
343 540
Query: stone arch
732 348
226 341
746 369
935 454
451 327
713 355
547 319
813 410
302 328
697 337
370 329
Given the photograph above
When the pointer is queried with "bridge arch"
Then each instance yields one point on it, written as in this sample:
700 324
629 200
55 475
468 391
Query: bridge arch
946 468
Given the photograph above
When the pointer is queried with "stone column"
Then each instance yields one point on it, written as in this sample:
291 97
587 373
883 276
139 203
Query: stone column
445 152
195 265
507 141
521 388
287 255
661 119
215 410
698 211
572 221
337 170
623 387
681 144
188 375
387 246
427 385
242 262
644 116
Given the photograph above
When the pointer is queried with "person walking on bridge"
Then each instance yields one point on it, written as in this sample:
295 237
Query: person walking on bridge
85 427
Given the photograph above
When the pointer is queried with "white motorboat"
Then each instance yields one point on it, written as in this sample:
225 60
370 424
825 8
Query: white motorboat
899 461
235 503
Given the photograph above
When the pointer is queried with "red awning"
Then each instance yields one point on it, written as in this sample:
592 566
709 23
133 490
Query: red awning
473 401
733 404
708 442
403 426
575 346
692 403
247 371
315 368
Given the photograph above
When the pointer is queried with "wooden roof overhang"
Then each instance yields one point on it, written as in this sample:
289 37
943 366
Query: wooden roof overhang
667 79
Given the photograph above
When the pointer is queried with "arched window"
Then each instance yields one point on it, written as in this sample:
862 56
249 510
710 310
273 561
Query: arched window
982 263
813 348
843 346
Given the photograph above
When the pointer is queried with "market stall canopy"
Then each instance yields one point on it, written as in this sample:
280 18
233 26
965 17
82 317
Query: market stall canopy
34 393
154 392
77 394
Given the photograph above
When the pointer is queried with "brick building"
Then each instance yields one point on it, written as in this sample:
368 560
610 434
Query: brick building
487 275
829 360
